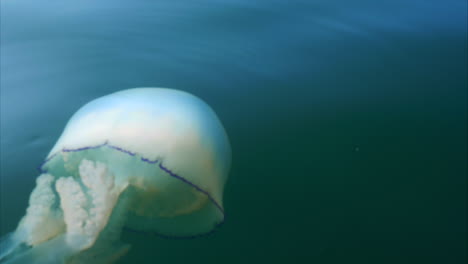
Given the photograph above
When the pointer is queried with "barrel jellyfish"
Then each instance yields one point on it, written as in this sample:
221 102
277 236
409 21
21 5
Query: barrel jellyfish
145 159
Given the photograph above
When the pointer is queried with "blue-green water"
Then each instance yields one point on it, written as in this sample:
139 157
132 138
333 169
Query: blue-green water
347 120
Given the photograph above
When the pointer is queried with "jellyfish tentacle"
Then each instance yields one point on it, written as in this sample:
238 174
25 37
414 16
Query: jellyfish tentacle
41 222
87 212
73 202
108 204
92 208
108 248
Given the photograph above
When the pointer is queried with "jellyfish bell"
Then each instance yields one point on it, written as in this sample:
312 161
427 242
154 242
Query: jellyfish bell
146 159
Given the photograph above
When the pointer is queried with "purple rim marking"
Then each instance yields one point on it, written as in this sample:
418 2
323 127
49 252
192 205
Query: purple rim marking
122 150
149 161
84 148
191 184
44 162
165 169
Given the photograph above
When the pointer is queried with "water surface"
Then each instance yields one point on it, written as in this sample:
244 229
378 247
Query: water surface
347 120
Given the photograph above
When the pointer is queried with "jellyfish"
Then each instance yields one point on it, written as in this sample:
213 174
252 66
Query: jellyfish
149 160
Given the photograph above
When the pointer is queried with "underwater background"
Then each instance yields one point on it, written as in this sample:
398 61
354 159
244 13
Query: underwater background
347 119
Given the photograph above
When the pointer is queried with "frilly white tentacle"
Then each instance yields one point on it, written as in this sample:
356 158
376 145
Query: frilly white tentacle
73 231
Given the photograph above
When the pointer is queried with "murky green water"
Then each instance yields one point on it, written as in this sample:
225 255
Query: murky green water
347 120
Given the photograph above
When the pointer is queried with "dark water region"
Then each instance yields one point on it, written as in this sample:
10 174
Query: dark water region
347 119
